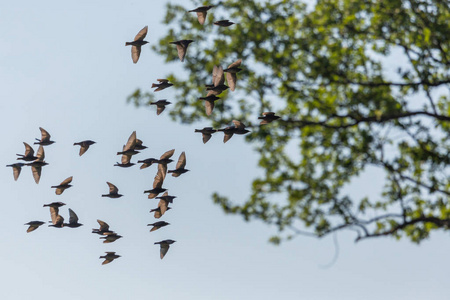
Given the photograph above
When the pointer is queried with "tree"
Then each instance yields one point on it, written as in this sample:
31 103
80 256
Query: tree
357 83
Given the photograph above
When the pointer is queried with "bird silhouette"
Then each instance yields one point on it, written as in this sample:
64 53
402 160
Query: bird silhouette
36 166
45 138
238 128
63 186
109 257
110 238
17 167
201 13
33 225
182 46
180 166
157 212
165 245
113 191
158 225
160 105
103 230
206 133
231 73
163 84
223 23
84 146
73 220
137 44
29 154
268 117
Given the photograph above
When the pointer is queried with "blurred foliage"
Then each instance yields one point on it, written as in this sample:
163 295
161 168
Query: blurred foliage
357 83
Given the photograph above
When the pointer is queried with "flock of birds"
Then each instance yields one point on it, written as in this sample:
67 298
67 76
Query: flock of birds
133 145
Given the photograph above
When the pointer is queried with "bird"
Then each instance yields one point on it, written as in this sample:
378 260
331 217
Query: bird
110 238
73 220
84 146
17 167
163 84
113 191
165 245
160 105
139 145
125 160
180 166
163 161
137 44
63 186
158 225
206 133
109 257
167 197
201 13
57 220
182 46
36 166
157 212
103 230
54 204
231 73
29 154
223 23
45 138
268 117
129 148
33 225
209 103
238 128
157 185
163 205
217 87
147 162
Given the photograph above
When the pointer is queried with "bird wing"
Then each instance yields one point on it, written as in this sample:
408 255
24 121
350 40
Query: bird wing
131 143
160 109
126 159
164 249
103 225
67 181
181 52
16 171
227 137
139 142
206 137
135 53
59 220
167 154
238 124
235 64
268 113
73 218
36 173
162 80
28 150
54 213
141 34
112 188
83 149
181 161
40 153
201 15
163 205
231 79
209 106
32 228
157 214
159 178
219 78
45 136
107 261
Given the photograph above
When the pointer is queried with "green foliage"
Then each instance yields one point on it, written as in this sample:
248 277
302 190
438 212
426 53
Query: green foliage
358 83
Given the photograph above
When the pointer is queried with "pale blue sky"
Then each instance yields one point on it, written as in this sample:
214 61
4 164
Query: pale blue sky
64 67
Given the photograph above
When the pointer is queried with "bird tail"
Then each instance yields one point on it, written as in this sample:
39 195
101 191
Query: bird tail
76 144
154 85
170 171
198 130
127 43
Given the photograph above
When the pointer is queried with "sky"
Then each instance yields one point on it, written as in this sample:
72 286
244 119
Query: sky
64 67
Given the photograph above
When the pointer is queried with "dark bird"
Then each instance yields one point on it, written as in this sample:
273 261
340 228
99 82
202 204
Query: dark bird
57 220
163 161
223 23
180 166
209 103
165 245
54 204
29 154
157 212
163 84
125 160
17 167
182 46
206 133
110 238
129 148
201 13
167 198
238 128
268 117
103 230
163 205
231 73
33 225
73 220
160 105
63 186
158 225
157 185
109 257
84 146
45 138
137 44
147 162
139 145
113 191
36 166
217 87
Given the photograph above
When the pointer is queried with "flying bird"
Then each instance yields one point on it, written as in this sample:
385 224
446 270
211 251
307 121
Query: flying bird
73 220
157 212
63 186
167 197
217 87
157 185
182 46
84 146
209 103
231 73
268 117
206 133
163 84
137 44
110 238
109 257
36 166
29 154
17 167
57 220
158 225
160 105
238 128
125 160
129 148
223 23
201 13
165 245
139 145
113 191
180 166
147 162
33 225
45 138
163 161
103 230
